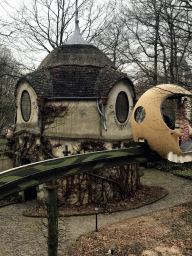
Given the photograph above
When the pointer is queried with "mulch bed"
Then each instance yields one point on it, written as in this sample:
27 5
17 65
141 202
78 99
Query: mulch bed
12 199
143 196
165 232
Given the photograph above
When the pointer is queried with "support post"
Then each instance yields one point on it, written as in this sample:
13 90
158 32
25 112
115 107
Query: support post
52 211
96 212
96 229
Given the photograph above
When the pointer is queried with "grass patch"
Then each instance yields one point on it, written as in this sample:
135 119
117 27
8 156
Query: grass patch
2 157
185 174
167 166
3 144
182 170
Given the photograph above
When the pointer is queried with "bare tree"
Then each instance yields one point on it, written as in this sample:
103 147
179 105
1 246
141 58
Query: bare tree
110 41
41 25
145 29
171 38
152 36
9 73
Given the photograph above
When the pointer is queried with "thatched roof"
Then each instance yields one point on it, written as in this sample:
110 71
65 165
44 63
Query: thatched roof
80 55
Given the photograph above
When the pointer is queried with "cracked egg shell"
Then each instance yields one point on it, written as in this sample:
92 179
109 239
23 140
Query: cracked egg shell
147 122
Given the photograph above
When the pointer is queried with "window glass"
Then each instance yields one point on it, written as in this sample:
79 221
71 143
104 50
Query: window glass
122 107
139 115
25 106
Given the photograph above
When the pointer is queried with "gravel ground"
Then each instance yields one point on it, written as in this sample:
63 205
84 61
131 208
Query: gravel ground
21 236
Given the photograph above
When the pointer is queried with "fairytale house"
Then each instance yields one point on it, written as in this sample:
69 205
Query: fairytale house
75 101
76 94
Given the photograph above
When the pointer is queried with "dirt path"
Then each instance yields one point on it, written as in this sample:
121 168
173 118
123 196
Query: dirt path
21 236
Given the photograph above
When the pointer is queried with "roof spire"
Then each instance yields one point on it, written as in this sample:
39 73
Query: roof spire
76 38
76 17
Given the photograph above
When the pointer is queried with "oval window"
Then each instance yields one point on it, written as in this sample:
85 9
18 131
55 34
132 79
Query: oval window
139 114
25 106
122 107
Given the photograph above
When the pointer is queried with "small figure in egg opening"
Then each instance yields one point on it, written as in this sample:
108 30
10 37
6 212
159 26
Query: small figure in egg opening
168 120
186 133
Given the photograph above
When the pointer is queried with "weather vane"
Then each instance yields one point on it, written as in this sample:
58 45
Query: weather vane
76 15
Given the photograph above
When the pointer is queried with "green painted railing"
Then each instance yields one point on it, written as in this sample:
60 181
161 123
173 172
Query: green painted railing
20 178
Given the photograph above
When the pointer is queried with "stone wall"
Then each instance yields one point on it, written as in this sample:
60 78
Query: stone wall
5 163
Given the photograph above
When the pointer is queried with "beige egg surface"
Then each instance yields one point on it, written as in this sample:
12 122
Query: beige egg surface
147 122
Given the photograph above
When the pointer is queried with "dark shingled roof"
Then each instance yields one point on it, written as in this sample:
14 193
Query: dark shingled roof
107 78
74 81
75 71
40 81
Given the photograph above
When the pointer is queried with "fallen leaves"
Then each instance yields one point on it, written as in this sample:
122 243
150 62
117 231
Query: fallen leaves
152 233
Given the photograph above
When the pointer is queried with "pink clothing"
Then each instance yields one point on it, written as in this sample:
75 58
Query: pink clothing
185 132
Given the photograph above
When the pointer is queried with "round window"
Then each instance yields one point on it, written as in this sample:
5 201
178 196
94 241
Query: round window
122 107
25 106
139 114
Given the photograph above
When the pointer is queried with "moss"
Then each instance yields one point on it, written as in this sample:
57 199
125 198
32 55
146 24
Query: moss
3 144
2 157
167 166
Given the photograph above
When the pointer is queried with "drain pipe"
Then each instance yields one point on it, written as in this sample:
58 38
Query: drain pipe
103 118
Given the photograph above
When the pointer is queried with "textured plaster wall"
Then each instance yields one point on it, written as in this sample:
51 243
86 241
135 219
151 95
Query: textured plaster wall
74 146
81 121
71 144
